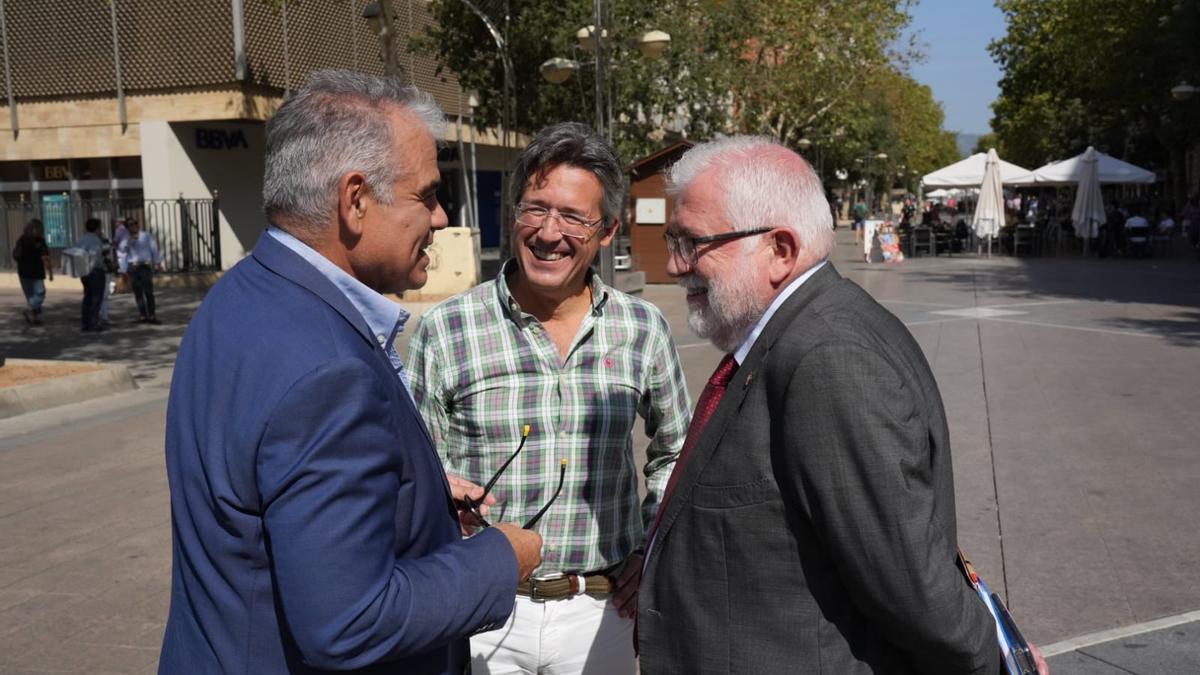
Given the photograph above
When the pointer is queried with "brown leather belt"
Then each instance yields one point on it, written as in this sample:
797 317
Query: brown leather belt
566 585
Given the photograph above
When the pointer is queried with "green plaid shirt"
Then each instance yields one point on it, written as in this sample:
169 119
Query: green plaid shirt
482 368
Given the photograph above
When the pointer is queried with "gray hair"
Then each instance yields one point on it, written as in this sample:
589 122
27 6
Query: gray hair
576 145
764 184
336 123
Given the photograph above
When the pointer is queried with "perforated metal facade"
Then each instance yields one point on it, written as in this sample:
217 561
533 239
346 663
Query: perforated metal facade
64 48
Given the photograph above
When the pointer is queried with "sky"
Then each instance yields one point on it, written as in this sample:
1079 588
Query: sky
954 35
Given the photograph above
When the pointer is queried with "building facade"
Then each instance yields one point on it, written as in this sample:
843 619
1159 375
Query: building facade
156 109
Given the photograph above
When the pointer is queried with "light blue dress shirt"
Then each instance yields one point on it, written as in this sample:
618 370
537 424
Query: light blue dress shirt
139 250
385 318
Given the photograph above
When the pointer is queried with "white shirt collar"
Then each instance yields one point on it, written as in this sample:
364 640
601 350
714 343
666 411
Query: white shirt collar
744 349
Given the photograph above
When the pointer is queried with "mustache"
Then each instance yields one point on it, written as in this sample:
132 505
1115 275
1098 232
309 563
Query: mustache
691 282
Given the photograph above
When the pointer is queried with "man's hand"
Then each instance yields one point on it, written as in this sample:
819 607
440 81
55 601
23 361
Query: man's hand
462 490
625 594
527 544
1042 666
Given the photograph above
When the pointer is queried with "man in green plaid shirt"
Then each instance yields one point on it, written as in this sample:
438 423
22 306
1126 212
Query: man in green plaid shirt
549 345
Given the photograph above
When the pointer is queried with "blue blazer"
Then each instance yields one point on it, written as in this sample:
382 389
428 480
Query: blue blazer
312 524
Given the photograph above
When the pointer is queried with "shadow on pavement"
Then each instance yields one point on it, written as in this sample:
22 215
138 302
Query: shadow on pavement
148 351
1148 281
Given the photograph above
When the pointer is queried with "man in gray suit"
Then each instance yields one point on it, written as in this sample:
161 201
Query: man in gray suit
809 524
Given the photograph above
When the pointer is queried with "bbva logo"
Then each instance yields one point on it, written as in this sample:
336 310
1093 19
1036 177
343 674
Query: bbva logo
220 139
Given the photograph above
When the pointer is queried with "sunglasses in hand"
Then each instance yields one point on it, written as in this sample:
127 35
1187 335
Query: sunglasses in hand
472 505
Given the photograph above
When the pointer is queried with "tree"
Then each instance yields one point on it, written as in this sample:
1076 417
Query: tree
754 66
1092 72
984 143
895 115
793 64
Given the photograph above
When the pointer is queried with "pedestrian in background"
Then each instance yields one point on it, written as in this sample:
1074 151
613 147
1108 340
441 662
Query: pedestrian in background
860 212
141 258
89 254
1191 220
120 234
33 268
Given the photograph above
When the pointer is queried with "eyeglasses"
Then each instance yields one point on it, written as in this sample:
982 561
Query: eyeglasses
570 225
472 505
685 247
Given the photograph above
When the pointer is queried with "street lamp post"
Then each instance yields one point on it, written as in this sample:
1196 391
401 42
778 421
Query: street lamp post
1182 92
557 70
818 142
865 161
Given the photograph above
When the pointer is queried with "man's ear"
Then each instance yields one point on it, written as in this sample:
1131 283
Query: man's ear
785 253
607 237
352 202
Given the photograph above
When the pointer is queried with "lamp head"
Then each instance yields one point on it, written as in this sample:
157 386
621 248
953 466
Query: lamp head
558 70
653 43
586 37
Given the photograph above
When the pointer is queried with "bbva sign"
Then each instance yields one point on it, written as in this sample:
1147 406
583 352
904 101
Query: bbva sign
220 139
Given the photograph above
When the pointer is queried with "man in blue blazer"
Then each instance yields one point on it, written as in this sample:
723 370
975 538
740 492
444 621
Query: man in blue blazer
313 526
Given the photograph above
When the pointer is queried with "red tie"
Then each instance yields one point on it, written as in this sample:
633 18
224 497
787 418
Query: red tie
709 398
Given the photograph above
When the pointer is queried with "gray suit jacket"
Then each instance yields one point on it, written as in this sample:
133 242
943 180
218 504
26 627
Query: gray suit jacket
813 528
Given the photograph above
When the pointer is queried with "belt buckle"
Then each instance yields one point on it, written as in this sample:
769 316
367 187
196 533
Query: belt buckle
533 584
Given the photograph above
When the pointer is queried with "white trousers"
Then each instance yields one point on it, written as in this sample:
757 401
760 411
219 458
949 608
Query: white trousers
555 637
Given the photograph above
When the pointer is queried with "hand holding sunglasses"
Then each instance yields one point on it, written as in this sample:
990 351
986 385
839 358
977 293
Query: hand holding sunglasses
472 505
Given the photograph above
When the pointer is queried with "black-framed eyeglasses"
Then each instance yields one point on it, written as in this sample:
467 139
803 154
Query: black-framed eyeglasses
472 505
570 225
685 247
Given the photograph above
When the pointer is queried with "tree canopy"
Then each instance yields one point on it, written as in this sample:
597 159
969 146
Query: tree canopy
829 72
1093 72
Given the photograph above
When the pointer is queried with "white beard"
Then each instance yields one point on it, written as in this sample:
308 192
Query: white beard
731 310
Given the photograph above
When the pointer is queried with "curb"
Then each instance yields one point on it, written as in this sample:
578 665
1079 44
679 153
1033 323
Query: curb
52 393
1084 641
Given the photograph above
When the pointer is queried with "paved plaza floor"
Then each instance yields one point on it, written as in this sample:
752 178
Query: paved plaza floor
1071 387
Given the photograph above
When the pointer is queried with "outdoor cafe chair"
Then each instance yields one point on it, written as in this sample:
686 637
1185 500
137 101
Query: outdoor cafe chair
1137 241
923 239
1024 237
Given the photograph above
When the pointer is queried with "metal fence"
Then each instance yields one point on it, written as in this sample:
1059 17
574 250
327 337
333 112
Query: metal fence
187 230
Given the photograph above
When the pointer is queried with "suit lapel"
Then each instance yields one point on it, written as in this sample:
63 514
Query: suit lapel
735 394
286 263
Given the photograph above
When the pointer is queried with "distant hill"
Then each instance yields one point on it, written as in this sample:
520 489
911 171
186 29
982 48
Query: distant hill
966 143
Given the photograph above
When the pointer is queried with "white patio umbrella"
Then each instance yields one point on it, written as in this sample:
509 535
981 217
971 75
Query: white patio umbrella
968 173
989 212
1109 169
1088 212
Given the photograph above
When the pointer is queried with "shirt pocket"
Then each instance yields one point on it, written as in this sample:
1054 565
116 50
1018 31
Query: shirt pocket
609 409
490 412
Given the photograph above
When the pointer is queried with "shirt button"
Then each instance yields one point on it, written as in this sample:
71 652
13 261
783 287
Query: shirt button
381 339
